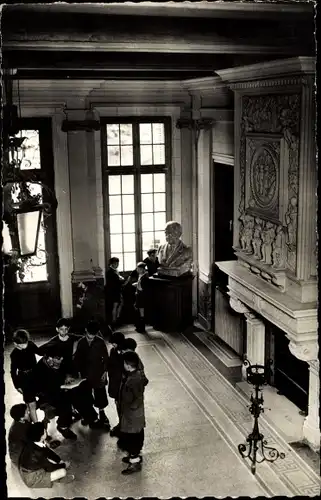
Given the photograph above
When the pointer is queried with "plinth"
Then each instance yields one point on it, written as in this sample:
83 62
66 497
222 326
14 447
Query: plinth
170 302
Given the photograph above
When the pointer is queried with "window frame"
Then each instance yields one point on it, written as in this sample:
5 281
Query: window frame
136 170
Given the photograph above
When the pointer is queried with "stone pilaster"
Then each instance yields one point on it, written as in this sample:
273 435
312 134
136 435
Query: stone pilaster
308 351
87 279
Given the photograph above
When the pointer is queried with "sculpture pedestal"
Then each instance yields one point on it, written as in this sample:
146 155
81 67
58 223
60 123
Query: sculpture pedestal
171 303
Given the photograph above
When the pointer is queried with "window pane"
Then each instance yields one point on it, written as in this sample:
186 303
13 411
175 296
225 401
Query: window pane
129 261
148 241
128 223
159 238
115 205
159 202
146 181
114 184
126 133
112 133
129 242
147 222
116 243
160 221
128 204
127 184
159 154
145 133
159 183
158 133
146 155
30 150
147 203
115 224
126 155
113 156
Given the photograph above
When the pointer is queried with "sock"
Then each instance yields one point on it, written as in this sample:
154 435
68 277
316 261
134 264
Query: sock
134 460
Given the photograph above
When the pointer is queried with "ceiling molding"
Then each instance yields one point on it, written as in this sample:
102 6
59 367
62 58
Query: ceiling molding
270 69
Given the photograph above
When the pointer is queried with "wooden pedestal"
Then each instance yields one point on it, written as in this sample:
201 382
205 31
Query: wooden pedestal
171 303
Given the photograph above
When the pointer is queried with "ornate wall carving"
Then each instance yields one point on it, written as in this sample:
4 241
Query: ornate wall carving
269 164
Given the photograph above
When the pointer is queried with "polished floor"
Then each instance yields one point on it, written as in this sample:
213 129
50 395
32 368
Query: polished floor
196 417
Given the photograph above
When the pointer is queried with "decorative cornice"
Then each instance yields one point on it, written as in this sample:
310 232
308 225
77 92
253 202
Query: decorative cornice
267 70
305 351
238 306
280 82
210 83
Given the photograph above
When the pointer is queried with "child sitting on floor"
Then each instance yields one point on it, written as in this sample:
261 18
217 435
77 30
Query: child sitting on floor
39 466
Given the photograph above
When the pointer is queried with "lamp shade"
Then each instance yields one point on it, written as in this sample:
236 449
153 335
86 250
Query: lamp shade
28 225
6 239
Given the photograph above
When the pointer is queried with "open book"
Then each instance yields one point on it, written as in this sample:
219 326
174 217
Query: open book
72 383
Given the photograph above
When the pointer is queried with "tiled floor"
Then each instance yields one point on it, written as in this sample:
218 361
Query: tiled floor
195 420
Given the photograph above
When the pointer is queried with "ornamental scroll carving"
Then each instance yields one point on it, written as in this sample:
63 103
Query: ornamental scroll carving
269 163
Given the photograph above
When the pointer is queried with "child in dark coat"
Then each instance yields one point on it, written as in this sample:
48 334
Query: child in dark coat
132 412
39 466
91 361
140 286
113 292
115 370
23 361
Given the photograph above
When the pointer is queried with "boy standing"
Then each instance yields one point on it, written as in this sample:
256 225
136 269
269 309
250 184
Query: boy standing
140 285
23 361
132 413
113 291
91 361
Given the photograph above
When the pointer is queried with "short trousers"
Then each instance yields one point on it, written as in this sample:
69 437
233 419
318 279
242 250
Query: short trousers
36 478
132 442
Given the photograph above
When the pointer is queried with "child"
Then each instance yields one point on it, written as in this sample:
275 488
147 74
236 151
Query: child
23 361
91 361
132 420
39 466
140 296
17 436
128 345
113 291
115 370
151 261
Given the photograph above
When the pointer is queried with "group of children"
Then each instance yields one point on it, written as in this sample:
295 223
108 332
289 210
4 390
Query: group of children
115 285
69 382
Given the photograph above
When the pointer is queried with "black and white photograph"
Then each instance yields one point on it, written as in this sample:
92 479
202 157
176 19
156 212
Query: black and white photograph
160 249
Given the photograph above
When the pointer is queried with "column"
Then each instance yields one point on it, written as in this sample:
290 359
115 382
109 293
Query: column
87 279
311 426
308 351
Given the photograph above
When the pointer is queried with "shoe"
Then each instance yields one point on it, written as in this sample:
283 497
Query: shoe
54 444
125 460
69 478
67 433
115 431
132 468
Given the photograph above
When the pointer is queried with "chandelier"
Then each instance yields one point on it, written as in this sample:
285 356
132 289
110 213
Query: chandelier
22 209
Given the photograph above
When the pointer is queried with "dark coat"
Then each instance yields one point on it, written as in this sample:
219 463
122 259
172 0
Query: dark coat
91 360
151 266
34 457
115 371
66 347
17 439
113 286
132 411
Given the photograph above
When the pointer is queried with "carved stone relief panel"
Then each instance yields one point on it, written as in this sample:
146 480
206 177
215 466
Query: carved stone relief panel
269 163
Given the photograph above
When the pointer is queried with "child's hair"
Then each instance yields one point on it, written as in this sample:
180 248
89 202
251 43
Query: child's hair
36 431
53 351
63 322
152 251
113 260
131 358
141 265
17 412
130 344
118 339
93 327
21 336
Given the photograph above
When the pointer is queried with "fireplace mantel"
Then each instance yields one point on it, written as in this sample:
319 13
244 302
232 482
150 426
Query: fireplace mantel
297 319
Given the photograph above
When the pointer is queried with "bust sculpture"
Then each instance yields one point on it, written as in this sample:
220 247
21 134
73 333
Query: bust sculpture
175 258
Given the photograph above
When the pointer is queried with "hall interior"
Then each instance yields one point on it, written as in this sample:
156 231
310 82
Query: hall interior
201 113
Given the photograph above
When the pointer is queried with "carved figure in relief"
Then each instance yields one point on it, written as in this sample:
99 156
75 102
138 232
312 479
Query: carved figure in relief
257 239
175 258
268 237
290 219
248 233
278 248
242 232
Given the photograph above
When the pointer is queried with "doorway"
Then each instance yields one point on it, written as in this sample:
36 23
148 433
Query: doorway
34 301
226 323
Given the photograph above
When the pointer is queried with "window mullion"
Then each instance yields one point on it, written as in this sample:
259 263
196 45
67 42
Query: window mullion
137 189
